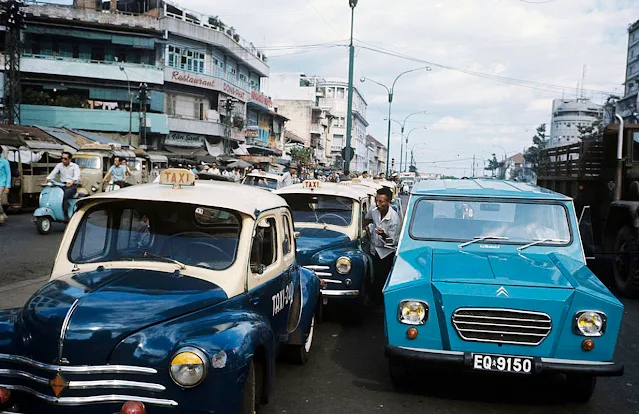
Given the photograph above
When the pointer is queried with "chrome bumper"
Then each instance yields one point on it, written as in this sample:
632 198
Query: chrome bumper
341 293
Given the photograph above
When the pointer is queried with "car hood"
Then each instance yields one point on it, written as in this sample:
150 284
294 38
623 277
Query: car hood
537 270
312 241
101 308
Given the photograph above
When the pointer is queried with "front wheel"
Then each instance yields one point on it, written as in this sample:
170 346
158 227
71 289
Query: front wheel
252 390
625 263
580 388
43 224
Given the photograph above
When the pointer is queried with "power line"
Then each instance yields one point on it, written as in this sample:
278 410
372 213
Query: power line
322 16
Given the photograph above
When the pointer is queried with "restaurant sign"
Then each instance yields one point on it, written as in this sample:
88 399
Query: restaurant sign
180 139
200 80
261 99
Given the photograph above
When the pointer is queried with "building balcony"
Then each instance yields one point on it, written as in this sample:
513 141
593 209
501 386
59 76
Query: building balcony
199 27
317 128
336 148
90 119
91 69
193 126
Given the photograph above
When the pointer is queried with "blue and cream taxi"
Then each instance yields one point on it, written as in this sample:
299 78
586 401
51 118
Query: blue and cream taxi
167 297
266 180
333 240
491 276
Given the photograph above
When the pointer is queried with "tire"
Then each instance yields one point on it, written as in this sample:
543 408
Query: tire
43 224
319 310
625 269
580 388
300 354
399 375
250 396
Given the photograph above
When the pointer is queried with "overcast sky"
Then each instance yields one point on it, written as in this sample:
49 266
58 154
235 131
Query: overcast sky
540 41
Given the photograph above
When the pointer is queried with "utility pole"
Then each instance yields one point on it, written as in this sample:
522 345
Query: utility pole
14 20
229 106
473 165
143 96
349 111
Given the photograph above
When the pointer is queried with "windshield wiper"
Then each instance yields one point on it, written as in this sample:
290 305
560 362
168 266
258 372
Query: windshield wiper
481 238
146 255
540 241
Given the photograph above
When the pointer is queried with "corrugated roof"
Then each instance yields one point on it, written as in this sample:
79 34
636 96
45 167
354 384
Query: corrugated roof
93 136
64 136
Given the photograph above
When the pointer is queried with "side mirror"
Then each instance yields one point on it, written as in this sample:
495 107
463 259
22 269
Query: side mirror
258 268
297 234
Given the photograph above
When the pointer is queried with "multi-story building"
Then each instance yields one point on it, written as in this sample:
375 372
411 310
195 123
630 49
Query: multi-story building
377 156
81 67
333 93
296 97
567 116
208 65
628 107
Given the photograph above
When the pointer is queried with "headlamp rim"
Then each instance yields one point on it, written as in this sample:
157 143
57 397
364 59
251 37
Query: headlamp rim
205 363
579 314
350 265
426 312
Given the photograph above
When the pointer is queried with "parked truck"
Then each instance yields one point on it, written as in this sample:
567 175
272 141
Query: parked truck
603 179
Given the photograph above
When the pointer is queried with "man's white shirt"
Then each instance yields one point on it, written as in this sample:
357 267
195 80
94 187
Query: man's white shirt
68 174
391 224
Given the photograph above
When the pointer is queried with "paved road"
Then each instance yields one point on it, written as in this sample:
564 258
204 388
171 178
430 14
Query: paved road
347 372
24 253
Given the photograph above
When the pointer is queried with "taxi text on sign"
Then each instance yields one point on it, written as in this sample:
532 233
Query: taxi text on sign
312 184
177 177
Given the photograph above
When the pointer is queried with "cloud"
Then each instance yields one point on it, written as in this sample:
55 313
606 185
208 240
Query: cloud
547 43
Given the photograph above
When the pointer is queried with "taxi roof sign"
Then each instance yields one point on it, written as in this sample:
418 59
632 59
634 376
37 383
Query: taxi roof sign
177 177
311 184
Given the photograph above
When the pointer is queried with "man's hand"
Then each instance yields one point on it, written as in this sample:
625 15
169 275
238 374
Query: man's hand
381 232
6 191
68 185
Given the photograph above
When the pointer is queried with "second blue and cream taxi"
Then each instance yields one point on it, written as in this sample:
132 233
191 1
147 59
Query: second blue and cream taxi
490 276
332 238
168 297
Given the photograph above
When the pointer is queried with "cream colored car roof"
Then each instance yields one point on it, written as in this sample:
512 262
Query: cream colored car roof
272 176
326 189
243 198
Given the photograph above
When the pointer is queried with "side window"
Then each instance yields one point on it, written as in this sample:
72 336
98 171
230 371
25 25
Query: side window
94 229
264 249
287 243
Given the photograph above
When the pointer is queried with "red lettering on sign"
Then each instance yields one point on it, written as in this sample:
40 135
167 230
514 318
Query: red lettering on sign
173 178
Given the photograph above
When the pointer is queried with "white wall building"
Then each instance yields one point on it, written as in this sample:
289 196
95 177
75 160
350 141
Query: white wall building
629 105
567 116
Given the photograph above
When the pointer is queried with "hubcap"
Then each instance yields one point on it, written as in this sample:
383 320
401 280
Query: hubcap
309 340
45 225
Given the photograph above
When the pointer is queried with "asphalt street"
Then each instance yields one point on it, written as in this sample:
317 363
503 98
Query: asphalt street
348 372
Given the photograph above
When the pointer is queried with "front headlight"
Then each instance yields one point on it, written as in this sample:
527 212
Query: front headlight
343 265
412 312
189 367
94 189
590 323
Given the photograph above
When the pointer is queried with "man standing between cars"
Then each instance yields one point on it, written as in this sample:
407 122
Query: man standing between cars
70 176
118 172
5 184
384 240
287 177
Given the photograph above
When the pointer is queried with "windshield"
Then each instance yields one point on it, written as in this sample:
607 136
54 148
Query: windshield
94 163
520 222
152 231
323 209
261 182
136 165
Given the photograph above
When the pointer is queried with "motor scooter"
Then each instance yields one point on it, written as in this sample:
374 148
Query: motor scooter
50 210
111 187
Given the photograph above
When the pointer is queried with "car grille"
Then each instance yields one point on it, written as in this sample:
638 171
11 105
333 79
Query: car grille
81 385
503 326
320 271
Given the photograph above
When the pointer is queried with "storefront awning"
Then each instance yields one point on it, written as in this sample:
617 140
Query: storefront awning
257 150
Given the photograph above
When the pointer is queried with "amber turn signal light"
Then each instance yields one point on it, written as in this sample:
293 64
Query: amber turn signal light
588 345
133 407
412 333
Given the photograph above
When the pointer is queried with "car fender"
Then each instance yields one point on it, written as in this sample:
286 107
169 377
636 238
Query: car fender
310 294
360 263
9 332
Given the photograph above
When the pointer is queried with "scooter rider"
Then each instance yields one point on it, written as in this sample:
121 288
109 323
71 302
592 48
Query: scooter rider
70 176
118 172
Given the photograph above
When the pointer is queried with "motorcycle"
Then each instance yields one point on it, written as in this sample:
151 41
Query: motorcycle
111 187
50 209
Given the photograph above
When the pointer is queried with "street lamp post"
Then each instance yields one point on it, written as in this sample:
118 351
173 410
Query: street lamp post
128 82
401 148
349 111
391 92
407 136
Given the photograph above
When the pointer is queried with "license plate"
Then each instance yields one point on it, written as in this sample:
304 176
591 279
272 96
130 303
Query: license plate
497 363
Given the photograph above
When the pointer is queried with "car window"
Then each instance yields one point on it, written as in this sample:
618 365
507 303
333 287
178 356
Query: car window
322 209
287 235
264 248
158 231
461 220
261 182
91 239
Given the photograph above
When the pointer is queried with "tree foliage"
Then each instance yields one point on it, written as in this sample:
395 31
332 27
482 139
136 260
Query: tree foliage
533 154
592 132
497 168
303 156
